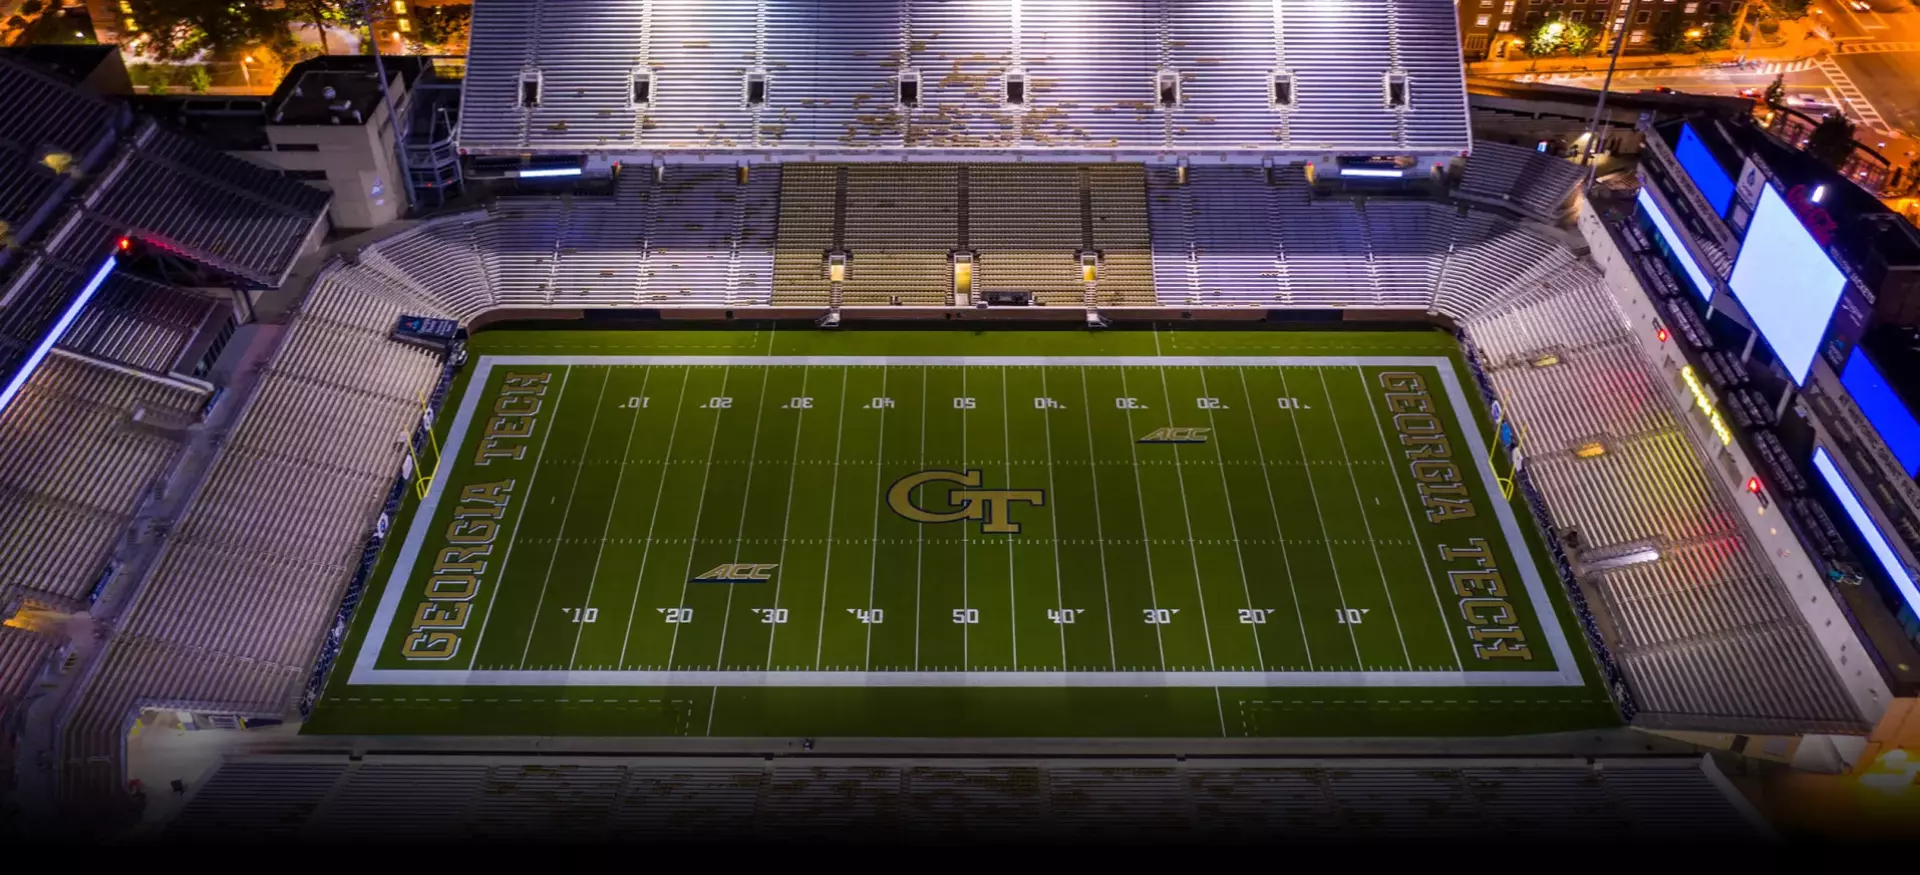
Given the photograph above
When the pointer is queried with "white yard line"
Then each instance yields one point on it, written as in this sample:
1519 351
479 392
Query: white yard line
1266 478
746 501
1333 562
873 548
699 506
1099 526
619 480
1193 549
1053 519
920 532
1233 525
1013 606
1446 626
666 469
566 511
1146 537
966 543
786 522
833 502
453 440
1386 586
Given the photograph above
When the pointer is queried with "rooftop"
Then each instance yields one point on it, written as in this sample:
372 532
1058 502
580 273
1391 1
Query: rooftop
337 89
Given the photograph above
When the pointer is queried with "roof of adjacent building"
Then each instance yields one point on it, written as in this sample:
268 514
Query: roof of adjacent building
832 72
338 89
118 174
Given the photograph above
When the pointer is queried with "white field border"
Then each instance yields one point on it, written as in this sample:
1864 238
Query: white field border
1566 675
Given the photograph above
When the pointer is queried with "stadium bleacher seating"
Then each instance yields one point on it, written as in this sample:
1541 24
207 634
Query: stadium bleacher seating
1526 180
326 797
1705 634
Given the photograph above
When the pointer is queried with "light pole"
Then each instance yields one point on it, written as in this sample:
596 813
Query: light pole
1600 106
386 94
246 70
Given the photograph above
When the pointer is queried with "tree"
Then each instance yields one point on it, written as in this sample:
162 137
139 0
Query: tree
1669 33
444 27
1776 94
1580 39
321 14
1546 39
1832 141
180 29
199 81
1717 34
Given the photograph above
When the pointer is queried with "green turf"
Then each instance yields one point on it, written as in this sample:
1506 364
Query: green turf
1246 549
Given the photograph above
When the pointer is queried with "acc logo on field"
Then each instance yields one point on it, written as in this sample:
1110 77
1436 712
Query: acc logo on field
989 506
1176 436
738 573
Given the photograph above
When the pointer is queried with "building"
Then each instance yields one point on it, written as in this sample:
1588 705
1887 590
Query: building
1498 29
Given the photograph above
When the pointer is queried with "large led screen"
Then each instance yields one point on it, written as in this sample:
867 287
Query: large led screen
1883 409
1701 285
1883 551
1705 172
1787 284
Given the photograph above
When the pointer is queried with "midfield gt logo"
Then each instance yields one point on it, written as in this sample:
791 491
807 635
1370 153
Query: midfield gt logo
738 573
1176 436
989 506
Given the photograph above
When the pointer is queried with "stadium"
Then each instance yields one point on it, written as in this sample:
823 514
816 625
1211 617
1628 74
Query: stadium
950 419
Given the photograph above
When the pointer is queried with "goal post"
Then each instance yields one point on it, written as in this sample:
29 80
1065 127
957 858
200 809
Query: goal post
425 459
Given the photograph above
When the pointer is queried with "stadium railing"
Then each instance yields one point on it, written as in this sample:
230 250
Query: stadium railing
1616 679
370 554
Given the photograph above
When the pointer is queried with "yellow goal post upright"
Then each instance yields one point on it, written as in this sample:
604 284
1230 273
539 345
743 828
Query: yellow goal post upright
426 465
1506 433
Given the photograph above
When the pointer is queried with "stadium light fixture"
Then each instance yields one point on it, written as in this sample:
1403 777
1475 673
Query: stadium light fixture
546 172
1370 173
1819 193
53 335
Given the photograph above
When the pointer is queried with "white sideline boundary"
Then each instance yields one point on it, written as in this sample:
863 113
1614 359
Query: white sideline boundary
365 673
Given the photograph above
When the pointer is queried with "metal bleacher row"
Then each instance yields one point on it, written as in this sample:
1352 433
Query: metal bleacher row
1523 179
1705 634
387 797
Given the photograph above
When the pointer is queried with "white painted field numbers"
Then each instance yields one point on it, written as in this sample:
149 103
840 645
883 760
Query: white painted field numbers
1128 404
677 615
1350 616
717 404
1047 404
1064 616
771 616
966 616
804 402
1290 404
1158 616
880 404
583 615
636 402
963 403
873 617
1209 404
1255 616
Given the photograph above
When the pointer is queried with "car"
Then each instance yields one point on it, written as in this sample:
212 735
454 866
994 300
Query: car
1858 5
1750 92
1659 90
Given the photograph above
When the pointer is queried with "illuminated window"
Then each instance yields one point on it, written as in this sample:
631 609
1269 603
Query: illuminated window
1505 26
1482 20
399 7
406 26
1397 89
1281 94
126 8
837 268
1507 8
1636 37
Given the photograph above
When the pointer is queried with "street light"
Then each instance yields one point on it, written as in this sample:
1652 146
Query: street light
246 69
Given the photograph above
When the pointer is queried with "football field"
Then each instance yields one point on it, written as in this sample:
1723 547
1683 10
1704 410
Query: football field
911 523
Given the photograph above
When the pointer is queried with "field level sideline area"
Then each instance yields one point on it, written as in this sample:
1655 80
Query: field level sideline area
949 533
